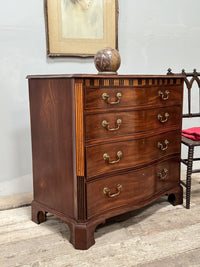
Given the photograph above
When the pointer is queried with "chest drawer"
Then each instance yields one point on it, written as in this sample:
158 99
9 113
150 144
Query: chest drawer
133 96
114 156
118 191
115 124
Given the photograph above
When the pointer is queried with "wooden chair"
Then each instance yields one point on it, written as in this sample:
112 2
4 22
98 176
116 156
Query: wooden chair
191 144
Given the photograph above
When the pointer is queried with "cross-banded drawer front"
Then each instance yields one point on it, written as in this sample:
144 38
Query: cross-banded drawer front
134 186
108 157
115 124
133 96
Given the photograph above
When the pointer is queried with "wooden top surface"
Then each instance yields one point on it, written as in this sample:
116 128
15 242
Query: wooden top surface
100 76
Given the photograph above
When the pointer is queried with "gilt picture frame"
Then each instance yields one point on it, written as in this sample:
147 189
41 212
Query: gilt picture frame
80 27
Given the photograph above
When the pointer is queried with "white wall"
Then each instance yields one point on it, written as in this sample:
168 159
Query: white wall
153 35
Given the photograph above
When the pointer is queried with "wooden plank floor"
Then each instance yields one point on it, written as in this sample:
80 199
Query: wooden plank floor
157 235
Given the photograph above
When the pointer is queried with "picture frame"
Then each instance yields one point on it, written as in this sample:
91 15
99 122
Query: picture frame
80 27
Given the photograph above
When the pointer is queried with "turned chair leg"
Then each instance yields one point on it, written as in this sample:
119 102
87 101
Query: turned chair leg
188 175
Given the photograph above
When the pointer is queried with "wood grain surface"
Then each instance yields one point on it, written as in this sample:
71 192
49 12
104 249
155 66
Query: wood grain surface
135 152
53 147
132 96
133 122
136 187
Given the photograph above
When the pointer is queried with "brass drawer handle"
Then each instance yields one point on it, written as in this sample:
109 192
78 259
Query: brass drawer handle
106 191
160 117
162 175
106 157
164 95
163 147
105 124
106 97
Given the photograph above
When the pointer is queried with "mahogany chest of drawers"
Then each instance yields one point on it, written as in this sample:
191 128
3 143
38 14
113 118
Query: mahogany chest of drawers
103 146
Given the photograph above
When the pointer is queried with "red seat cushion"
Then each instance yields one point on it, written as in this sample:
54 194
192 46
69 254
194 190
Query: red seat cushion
192 133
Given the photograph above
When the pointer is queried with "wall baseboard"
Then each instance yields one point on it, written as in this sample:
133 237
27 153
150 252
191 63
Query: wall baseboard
16 201
19 185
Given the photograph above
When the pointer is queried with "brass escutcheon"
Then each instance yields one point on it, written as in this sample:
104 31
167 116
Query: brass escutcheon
105 124
106 191
106 97
106 157
163 147
161 119
162 175
164 95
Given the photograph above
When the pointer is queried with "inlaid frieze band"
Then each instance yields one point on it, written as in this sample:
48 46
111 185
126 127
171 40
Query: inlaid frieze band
131 82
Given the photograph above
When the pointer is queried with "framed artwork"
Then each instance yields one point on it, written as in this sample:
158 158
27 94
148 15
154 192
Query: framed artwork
81 27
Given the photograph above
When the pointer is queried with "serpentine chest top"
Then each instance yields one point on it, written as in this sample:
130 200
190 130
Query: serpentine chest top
103 146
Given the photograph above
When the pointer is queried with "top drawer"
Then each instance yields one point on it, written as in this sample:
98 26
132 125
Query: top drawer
132 96
107 93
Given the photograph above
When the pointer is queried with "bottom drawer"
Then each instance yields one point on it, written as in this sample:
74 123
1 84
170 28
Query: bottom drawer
132 187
